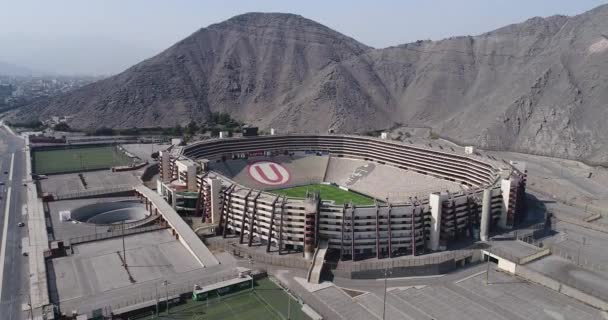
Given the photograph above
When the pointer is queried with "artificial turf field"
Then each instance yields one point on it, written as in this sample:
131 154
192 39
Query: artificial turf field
327 192
78 159
266 301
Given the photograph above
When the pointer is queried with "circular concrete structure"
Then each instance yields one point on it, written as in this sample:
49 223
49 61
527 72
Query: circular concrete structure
110 212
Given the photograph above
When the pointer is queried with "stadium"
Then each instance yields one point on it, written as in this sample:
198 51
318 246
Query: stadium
360 197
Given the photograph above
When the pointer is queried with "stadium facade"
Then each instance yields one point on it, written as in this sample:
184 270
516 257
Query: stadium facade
491 195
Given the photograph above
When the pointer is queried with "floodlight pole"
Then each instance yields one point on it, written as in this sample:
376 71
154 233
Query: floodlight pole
29 297
166 284
124 251
488 271
156 287
384 300
288 307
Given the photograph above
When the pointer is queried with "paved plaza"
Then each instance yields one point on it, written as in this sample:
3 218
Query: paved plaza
95 276
456 297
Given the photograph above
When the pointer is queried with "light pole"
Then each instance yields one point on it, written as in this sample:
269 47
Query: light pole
288 307
488 271
488 266
578 256
386 272
156 287
166 284
29 299
124 251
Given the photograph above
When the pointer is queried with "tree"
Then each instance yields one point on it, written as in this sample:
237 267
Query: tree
215 132
178 130
104 131
62 127
224 118
213 118
192 128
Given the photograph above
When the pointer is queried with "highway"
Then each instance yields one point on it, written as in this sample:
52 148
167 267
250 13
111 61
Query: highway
14 288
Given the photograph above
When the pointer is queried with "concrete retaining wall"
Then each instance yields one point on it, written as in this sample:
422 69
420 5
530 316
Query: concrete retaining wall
150 172
535 256
130 168
289 261
555 285
408 267
581 223
396 272
110 212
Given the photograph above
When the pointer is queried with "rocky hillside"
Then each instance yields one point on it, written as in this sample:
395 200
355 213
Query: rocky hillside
539 86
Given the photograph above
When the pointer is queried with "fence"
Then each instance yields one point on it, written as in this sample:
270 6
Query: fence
135 224
289 261
572 201
407 266
92 192
579 257
159 290
303 296
567 286
114 234
532 234
601 227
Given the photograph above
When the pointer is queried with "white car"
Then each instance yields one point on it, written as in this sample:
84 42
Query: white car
20 224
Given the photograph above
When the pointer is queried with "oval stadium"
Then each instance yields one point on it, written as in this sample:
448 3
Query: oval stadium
359 197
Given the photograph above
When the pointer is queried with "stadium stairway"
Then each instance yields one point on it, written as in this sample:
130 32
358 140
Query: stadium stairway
316 268
326 169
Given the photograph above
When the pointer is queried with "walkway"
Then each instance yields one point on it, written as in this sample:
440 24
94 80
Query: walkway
185 234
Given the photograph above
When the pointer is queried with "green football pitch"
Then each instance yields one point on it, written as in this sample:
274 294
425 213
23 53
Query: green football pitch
78 159
327 192
266 301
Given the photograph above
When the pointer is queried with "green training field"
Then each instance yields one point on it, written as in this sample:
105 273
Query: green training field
327 192
266 301
78 159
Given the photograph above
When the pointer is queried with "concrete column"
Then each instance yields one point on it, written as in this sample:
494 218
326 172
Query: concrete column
191 177
173 198
215 187
164 166
486 215
435 202
272 213
310 213
505 188
159 187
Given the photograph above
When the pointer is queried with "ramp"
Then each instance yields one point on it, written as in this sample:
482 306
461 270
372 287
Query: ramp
185 234
314 273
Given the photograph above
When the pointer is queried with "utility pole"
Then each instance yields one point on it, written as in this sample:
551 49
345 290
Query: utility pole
156 287
384 300
578 256
288 307
124 251
166 284
81 164
488 270
29 298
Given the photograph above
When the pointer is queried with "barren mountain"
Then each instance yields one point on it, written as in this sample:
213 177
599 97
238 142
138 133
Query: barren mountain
539 86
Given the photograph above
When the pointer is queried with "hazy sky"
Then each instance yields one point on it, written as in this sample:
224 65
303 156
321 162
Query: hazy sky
107 36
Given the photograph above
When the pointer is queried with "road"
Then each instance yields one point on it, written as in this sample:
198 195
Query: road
14 267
